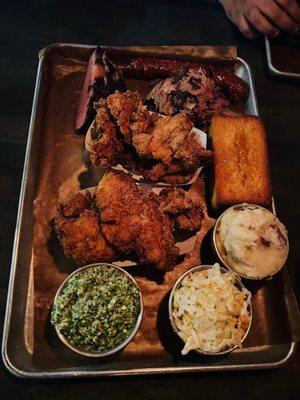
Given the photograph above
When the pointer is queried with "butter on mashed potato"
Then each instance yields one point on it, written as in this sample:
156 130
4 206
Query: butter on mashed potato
251 241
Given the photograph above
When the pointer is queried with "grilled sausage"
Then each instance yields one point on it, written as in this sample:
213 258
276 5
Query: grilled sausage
235 88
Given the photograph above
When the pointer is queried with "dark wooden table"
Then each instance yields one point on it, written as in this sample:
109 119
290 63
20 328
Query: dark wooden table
28 26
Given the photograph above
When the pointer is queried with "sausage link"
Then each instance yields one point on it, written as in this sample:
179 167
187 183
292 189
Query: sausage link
235 88
153 68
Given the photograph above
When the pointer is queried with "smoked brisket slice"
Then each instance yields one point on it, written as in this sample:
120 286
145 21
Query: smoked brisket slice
102 79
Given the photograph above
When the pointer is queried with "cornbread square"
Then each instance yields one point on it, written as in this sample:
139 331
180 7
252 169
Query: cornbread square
241 161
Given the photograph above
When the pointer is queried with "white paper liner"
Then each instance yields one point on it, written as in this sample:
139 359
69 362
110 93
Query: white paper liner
199 135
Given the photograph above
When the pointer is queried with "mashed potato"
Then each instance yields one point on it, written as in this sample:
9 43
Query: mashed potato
252 241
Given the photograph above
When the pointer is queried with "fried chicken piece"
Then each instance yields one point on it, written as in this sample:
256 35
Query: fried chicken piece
176 179
191 154
78 229
179 205
75 205
183 165
161 170
167 136
118 118
151 135
105 147
173 146
175 201
130 114
125 126
133 222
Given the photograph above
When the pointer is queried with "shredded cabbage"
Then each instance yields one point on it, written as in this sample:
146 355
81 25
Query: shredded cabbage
210 312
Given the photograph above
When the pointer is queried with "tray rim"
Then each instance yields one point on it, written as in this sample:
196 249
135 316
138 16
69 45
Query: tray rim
274 71
67 373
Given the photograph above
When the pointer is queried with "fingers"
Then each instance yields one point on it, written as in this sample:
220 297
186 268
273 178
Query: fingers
292 7
246 28
260 22
278 16
265 16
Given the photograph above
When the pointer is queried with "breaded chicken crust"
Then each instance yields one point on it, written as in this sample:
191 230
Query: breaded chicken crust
78 229
163 147
131 220
178 204
105 147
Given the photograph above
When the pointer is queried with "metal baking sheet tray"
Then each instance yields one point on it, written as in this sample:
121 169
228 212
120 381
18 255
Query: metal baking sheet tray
275 328
279 71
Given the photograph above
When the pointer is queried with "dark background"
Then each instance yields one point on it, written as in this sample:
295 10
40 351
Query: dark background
28 26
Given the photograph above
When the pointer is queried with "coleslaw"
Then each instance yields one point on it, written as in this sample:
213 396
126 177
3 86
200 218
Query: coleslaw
210 311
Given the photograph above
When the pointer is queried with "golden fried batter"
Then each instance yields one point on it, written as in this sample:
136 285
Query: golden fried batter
165 141
78 229
106 148
131 115
133 222
191 154
167 136
75 205
180 153
179 205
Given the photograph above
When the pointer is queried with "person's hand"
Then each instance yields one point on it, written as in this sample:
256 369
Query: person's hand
263 16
